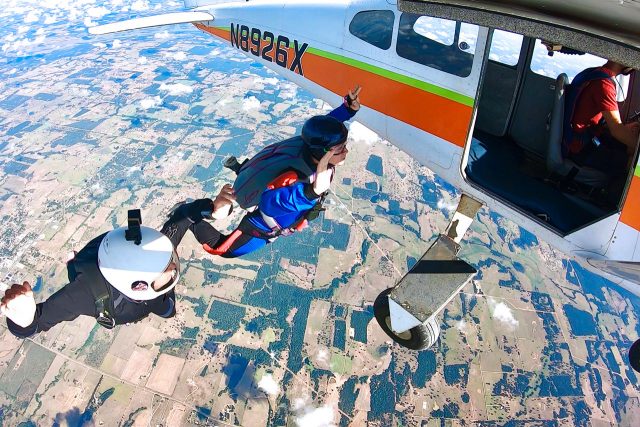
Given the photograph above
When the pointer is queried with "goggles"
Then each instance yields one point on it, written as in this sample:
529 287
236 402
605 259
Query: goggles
166 279
339 149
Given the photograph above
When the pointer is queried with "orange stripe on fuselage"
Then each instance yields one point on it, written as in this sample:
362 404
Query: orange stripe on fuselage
223 34
432 113
424 110
631 210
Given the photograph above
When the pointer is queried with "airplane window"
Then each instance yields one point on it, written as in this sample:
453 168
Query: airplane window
468 35
374 27
437 43
505 47
440 30
552 66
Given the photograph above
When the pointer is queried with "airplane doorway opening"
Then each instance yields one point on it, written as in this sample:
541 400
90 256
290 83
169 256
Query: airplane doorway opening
515 152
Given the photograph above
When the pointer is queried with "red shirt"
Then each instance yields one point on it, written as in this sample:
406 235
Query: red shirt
596 97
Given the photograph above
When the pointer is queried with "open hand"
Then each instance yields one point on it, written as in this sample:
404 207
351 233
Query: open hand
353 98
223 203
322 180
19 305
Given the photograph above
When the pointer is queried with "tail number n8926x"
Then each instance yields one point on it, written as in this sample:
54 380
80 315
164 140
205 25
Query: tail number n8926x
265 45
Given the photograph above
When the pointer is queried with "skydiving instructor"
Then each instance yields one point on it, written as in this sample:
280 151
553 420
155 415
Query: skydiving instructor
119 277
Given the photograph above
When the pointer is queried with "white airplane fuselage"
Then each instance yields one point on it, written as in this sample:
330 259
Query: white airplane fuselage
428 111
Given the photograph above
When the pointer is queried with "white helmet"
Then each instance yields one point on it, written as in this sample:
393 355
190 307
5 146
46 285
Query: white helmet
133 268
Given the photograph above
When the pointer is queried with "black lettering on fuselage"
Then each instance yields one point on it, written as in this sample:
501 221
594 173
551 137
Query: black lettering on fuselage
268 37
255 41
234 35
244 38
281 51
297 60
268 46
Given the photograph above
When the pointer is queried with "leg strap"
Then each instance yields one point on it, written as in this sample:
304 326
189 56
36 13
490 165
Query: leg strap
224 247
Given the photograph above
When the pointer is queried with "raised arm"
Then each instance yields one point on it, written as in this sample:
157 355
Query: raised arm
349 107
25 317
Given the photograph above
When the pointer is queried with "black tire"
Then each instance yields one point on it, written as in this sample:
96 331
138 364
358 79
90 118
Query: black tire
420 337
634 356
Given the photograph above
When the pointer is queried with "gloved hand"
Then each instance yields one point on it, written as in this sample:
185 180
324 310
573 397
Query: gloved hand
352 98
223 203
322 180
19 305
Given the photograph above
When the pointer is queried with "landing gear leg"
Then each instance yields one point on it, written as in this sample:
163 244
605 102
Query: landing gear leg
408 312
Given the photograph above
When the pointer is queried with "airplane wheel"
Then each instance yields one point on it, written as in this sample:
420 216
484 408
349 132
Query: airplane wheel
634 356
420 337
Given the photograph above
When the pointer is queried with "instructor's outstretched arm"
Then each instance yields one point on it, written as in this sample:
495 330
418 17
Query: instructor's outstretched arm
25 317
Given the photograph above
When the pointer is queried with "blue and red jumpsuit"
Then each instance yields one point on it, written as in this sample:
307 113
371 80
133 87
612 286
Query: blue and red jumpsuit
287 205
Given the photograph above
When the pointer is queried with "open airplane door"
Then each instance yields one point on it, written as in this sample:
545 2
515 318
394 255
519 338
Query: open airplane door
408 312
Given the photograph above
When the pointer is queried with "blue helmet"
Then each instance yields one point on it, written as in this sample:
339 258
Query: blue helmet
320 133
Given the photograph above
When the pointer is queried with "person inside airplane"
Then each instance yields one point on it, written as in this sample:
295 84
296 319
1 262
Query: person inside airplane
595 136
119 277
526 125
287 181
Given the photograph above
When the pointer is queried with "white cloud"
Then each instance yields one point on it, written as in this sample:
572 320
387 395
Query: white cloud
316 417
269 385
446 205
271 81
176 89
288 92
88 22
359 132
32 16
22 45
140 5
97 12
178 56
162 35
116 44
142 60
502 312
50 19
250 103
323 355
150 102
100 45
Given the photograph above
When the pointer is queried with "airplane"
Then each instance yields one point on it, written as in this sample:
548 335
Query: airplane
468 89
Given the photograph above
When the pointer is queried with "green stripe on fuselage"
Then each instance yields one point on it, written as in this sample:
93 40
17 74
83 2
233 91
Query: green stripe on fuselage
638 170
418 84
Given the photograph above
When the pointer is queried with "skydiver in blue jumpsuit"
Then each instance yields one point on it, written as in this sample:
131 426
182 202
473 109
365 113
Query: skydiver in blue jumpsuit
290 205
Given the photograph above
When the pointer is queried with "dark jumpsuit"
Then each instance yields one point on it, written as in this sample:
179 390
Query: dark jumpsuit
75 298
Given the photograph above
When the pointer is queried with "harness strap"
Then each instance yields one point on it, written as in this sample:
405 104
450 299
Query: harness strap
224 247
284 180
